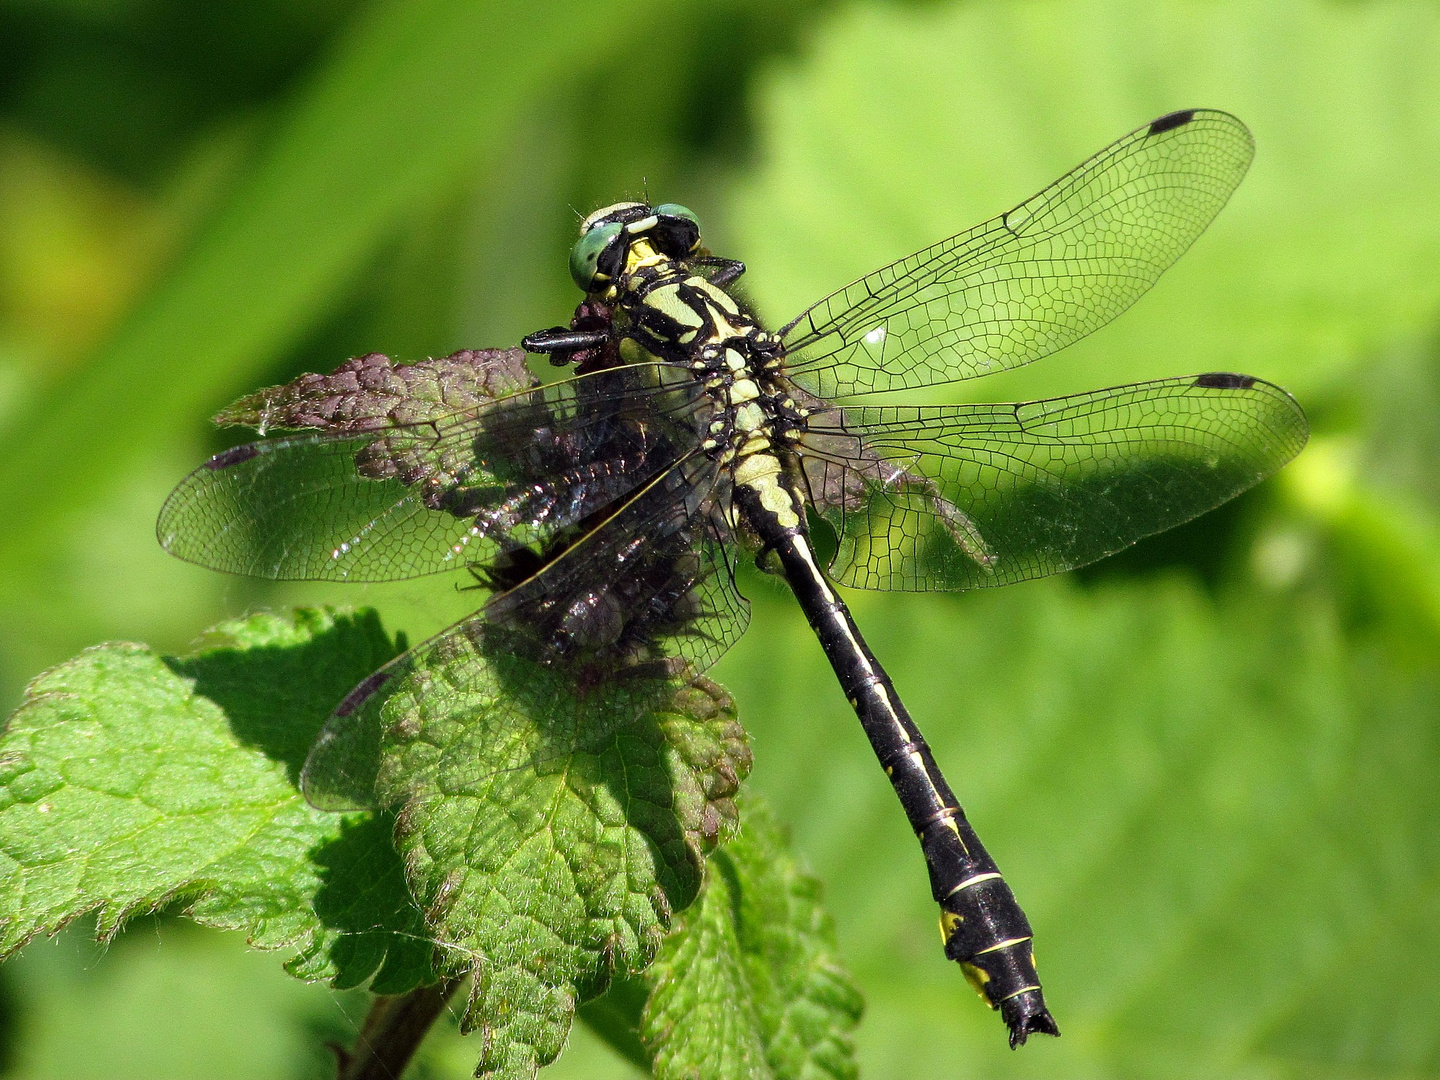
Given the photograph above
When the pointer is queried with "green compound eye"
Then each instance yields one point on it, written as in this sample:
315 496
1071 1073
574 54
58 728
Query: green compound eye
674 209
677 233
585 255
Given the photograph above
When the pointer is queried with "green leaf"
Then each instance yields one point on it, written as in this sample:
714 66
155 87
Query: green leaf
129 781
549 832
747 986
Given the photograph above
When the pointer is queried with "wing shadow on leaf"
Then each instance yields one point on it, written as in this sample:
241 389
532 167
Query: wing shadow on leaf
276 695
364 897
748 982
551 828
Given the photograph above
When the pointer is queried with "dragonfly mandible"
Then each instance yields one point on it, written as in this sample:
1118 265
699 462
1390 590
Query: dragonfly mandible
605 512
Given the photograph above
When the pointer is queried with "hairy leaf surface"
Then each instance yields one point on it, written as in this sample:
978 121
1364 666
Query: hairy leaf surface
549 851
129 781
749 986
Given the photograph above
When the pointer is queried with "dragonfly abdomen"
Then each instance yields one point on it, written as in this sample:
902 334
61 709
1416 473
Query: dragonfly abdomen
981 923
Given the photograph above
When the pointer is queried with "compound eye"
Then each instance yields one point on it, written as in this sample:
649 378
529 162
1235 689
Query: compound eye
677 233
675 210
587 254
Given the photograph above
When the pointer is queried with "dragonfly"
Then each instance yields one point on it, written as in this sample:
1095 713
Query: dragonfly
607 512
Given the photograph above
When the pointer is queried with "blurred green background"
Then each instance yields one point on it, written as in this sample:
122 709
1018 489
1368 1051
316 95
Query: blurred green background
1209 766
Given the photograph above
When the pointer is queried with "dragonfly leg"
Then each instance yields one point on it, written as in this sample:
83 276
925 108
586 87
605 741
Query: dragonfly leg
559 339
723 271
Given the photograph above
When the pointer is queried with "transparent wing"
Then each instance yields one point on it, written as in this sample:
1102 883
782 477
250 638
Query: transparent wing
645 596
958 497
497 719
1033 280
418 499
649 583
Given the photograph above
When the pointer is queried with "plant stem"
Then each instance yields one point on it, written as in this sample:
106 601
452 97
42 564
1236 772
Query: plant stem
393 1029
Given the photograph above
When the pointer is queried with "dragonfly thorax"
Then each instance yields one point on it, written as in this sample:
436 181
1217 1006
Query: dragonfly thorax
655 298
664 312
682 318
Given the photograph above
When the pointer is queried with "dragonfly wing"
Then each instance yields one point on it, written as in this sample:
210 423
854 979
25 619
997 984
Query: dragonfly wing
650 582
959 497
453 491
1033 280
644 596
498 719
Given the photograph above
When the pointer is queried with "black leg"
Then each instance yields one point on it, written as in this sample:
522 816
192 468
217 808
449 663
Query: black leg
723 271
563 339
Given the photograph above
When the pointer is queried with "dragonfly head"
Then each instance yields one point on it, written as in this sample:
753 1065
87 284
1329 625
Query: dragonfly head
607 237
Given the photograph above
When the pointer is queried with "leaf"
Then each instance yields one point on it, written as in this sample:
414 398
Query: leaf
370 392
548 844
129 781
747 985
